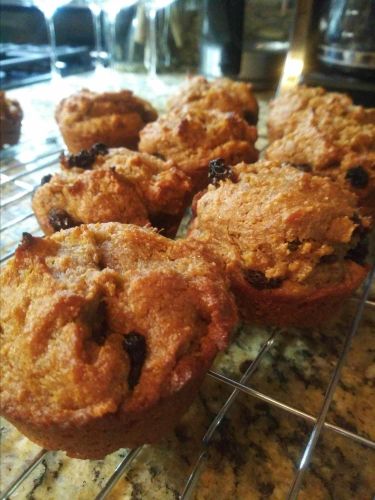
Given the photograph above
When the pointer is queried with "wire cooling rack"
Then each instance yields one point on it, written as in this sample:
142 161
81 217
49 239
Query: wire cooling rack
21 171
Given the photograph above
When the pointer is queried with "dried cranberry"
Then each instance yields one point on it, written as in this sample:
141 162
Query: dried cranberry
357 176
328 259
135 345
218 171
60 219
293 245
259 280
45 179
99 149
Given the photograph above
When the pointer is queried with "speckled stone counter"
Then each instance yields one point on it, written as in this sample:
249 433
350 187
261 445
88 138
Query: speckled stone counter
256 449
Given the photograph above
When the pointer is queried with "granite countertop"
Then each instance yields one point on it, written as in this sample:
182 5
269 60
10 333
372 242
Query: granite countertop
256 449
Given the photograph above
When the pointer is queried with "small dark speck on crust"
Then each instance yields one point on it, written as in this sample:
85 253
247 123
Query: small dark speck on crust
303 167
293 245
357 176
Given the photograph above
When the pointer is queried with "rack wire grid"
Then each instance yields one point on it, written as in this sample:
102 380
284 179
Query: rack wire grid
22 168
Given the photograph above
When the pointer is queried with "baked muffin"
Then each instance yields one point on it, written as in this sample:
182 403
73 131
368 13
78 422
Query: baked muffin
282 117
191 137
294 243
108 331
113 118
116 185
337 145
10 120
222 94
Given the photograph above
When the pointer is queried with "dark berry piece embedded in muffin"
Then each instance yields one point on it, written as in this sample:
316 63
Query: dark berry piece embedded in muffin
358 177
100 149
259 280
359 253
135 346
60 219
219 171
293 245
45 179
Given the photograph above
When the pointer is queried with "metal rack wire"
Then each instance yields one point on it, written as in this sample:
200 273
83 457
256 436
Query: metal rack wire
19 187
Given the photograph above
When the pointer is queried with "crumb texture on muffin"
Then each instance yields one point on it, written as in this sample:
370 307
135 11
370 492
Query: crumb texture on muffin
222 94
105 327
113 118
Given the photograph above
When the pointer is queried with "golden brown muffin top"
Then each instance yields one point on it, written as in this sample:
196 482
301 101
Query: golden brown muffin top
71 198
222 94
160 185
86 105
106 318
10 109
282 109
279 221
191 137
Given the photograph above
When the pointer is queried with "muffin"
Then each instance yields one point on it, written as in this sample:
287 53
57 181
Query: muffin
338 145
222 94
116 185
10 120
94 355
191 137
294 243
113 118
283 110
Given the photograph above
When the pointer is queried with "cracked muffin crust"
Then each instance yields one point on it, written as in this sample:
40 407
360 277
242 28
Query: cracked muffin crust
339 144
10 120
283 110
293 242
116 185
113 118
191 137
222 94
108 330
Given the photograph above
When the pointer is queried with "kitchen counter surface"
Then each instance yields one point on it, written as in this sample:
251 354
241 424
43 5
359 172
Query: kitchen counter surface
256 449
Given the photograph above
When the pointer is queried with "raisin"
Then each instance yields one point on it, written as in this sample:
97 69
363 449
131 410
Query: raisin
328 259
59 219
99 149
83 159
250 117
357 176
219 171
359 253
293 245
45 179
135 345
259 280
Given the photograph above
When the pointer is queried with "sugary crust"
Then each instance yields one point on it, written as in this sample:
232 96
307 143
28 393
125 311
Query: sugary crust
10 120
120 186
222 94
330 143
191 137
282 110
288 229
68 301
112 118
